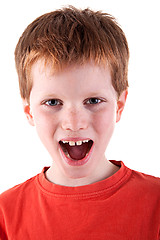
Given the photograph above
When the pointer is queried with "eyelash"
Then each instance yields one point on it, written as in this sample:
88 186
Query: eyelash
55 100
93 99
87 101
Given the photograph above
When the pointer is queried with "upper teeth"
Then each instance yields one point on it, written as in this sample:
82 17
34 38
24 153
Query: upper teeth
72 143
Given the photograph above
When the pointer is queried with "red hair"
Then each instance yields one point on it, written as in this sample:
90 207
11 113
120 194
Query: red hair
71 35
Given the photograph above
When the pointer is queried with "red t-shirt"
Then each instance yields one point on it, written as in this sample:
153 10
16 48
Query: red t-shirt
125 206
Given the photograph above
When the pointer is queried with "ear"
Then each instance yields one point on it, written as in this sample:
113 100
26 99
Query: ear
120 104
28 113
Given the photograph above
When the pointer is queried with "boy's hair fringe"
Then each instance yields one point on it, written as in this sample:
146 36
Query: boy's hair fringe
69 36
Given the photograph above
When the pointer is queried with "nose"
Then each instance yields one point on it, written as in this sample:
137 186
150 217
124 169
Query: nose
74 120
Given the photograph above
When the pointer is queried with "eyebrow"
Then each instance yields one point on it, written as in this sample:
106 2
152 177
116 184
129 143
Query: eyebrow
51 95
94 93
54 95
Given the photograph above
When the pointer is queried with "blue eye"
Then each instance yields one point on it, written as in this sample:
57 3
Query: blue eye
93 101
52 102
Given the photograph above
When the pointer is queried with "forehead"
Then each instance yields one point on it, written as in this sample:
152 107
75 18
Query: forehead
87 76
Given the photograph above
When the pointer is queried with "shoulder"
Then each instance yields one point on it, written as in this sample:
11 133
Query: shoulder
17 192
145 178
13 202
146 184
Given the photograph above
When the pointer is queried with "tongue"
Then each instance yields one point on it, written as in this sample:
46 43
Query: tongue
77 152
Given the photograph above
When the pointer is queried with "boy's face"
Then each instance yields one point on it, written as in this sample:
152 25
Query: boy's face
76 104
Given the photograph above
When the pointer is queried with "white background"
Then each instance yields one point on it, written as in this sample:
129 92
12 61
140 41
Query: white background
136 140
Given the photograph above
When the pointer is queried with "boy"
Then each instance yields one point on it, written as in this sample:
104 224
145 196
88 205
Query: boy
72 67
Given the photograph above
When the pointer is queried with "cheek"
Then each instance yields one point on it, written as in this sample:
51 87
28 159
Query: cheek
104 121
45 124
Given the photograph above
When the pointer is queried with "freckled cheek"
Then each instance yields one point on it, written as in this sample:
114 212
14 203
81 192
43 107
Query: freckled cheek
46 124
104 122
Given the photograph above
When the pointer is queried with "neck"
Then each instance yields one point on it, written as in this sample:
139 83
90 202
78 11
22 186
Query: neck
100 174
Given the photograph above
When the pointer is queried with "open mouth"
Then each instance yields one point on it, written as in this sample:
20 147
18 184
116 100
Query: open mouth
76 150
